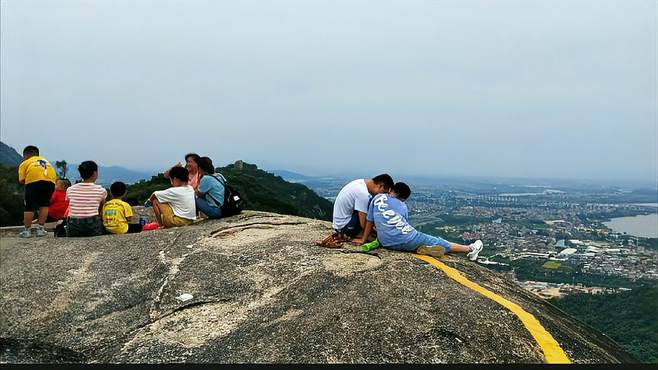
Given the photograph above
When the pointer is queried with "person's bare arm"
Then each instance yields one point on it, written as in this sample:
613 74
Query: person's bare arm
366 232
363 218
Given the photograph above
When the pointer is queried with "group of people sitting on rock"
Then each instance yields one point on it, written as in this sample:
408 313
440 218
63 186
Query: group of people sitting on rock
372 213
366 211
83 209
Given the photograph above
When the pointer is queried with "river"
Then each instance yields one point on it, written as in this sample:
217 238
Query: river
643 226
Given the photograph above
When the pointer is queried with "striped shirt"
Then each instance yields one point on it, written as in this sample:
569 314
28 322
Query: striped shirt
84 199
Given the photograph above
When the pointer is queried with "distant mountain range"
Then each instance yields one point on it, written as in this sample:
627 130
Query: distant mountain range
106 174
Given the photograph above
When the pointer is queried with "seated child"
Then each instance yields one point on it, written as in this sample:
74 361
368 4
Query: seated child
38 176
389 214
175 206
117 214
58 202
86 201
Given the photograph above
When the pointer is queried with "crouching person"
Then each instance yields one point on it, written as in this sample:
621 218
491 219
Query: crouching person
175 206
86 200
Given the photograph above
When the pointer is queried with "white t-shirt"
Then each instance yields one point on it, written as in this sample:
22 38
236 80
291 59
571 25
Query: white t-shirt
352 197
181 200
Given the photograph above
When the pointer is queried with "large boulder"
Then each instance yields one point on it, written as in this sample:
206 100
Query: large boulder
255 288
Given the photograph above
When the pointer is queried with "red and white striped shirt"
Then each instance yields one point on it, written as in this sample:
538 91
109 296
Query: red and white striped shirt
84 199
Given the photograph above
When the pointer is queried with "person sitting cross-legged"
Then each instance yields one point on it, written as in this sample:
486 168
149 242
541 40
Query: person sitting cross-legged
175 206
389 214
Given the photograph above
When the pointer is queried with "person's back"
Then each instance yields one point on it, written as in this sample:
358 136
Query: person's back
117 213
175 206
85 201
389 216
352 197
38 176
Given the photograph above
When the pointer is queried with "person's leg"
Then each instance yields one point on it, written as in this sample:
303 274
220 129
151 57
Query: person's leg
205 207
31 206
166 215
157 210
43 215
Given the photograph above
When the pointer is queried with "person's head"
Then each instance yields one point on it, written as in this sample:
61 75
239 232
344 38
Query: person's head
30 151
88 171
401 191
380 184
62 184
205 166
179 176
192 162
118 189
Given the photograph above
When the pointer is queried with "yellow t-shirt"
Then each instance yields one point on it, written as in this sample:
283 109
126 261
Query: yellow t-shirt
36 169
115 216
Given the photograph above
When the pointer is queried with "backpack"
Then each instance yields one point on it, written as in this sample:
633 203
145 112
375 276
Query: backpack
232 199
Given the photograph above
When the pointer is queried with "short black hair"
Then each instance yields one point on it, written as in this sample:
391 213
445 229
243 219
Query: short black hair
385 179
178 172
87 169
195 157
402 190
31 150
67 182
205 164
118 189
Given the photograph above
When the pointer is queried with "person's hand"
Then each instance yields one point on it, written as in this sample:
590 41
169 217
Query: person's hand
358 241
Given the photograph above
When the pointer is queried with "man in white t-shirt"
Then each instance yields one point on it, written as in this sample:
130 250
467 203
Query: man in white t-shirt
175 206
351 205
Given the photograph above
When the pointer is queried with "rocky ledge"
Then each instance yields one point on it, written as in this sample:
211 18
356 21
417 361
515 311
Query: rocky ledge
254 288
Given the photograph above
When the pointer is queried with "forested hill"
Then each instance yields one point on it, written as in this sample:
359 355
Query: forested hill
9 156
261 191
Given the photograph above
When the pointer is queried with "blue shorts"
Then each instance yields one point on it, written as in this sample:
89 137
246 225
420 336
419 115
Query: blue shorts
420 240
353 228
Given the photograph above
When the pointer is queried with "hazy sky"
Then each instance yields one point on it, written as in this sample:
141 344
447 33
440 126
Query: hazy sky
462 87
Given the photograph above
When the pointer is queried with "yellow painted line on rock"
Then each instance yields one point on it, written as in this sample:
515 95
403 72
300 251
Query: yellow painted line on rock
552 350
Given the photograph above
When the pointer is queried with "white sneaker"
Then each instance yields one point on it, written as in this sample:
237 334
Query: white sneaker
41 231
27 233
476 249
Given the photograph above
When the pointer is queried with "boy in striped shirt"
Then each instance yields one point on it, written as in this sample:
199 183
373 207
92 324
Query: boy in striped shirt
86 200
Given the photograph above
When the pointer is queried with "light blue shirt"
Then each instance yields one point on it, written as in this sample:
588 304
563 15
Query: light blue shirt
390 216
212 190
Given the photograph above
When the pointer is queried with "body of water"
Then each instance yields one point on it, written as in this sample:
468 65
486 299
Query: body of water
644 225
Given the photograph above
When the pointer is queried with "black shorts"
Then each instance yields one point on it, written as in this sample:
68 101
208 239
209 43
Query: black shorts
37 195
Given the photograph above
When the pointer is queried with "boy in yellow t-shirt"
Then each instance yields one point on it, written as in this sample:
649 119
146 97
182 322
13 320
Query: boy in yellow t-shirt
39 177
117 214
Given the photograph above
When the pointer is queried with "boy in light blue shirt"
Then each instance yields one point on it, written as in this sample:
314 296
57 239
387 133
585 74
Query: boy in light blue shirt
388 214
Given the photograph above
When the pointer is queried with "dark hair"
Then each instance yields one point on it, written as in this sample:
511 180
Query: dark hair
66 181
181 173
195 157
118 189
402 190
385 179
205 164
87 169
31 150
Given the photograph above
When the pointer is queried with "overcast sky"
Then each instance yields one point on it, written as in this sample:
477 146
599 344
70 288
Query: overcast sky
463 87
